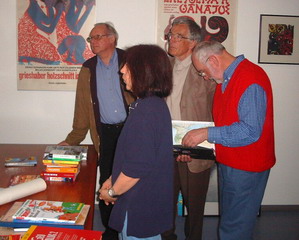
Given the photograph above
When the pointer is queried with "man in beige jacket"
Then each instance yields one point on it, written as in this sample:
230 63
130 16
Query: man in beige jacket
191 100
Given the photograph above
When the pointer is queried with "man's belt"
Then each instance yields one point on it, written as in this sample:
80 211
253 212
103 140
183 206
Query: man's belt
116 125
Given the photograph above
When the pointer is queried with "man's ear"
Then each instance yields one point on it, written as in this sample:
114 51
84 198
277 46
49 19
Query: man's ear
213 61
193 44
112 39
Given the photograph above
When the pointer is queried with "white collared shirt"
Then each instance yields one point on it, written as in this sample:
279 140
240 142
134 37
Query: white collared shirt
180 71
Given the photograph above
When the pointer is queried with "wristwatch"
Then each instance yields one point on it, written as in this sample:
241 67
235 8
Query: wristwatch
111 193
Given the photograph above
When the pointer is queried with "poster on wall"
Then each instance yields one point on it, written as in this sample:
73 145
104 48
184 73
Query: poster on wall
51 42
217 19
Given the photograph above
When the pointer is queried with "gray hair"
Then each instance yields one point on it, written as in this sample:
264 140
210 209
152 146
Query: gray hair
194 28
205 49
110 28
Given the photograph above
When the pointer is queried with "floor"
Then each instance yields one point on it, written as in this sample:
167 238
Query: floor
271 225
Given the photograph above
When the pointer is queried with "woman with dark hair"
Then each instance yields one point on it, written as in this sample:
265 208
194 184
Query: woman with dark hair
141 185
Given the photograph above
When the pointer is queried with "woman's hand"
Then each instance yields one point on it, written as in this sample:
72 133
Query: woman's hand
103 192
105 196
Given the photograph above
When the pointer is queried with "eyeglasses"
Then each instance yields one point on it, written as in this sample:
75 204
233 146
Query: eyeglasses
97 37
202 74
178 37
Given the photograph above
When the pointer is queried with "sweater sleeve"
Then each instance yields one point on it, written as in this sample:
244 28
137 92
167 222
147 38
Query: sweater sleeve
252 111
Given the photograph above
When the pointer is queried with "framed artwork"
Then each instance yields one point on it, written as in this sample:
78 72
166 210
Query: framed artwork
279 39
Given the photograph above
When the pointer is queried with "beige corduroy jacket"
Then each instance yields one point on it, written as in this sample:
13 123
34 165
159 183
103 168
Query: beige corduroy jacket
196 105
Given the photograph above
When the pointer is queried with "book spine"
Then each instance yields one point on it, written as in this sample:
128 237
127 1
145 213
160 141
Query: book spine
41 221
64 157
20 164
60 162
68 175
26 224
62 170
59 179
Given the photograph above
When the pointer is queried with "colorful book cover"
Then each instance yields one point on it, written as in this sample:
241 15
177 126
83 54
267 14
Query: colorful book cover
19 162
7 221
54 211
54 233
17 179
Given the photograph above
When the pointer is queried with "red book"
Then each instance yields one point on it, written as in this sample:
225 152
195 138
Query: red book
58 174
56 233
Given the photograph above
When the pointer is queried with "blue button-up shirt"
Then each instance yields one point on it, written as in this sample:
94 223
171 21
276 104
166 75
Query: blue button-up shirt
111 104
251 110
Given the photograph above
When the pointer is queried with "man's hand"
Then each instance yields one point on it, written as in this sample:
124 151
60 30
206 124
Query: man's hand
183 158
195 137
63 143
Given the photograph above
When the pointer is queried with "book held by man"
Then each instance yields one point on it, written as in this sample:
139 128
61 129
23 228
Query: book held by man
51 211
202 151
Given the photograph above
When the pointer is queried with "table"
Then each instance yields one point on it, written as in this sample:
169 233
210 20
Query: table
82 190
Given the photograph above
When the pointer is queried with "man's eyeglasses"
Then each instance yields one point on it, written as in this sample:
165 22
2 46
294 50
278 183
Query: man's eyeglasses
202 74
178 37
97 37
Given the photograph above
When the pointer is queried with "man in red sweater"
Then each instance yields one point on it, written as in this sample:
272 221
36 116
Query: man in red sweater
243 135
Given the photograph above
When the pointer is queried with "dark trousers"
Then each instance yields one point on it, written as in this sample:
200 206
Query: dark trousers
194 187
108 138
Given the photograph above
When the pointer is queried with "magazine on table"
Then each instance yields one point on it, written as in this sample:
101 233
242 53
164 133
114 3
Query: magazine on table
52 211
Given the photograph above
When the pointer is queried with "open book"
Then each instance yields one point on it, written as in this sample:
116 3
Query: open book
204 150
48 211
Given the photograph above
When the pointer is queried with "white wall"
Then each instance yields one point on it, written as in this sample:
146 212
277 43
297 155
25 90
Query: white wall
46 116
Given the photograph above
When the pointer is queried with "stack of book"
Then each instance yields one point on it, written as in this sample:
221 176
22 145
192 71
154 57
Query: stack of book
63 162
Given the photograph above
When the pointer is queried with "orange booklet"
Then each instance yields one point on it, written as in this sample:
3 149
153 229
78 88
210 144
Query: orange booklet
50 168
